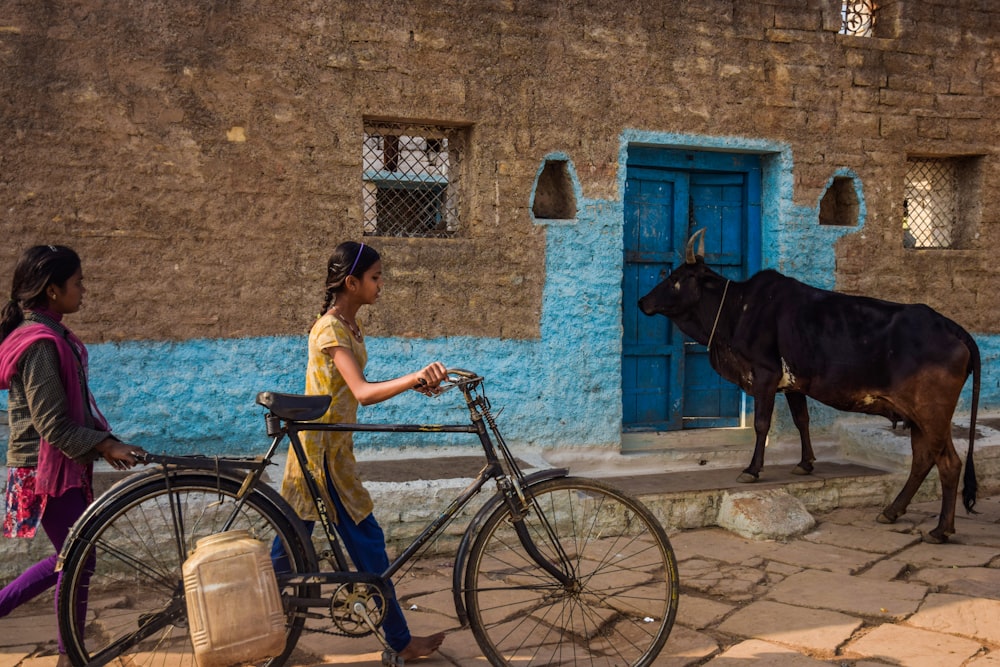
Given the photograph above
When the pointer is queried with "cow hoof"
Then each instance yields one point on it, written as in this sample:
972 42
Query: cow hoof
931 538
884 518
747 478
799 470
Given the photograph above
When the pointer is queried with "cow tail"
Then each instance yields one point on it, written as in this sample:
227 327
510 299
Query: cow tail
970 486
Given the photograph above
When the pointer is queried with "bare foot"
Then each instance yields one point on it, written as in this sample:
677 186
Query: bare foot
421 647
63 661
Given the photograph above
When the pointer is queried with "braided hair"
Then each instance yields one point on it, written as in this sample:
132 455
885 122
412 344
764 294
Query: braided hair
348 259
36 269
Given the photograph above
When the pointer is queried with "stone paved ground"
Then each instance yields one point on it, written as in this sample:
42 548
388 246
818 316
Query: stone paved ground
848 592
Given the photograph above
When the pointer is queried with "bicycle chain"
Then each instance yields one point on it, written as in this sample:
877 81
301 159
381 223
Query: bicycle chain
334 633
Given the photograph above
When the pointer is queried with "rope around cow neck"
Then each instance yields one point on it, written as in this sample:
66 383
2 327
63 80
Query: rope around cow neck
717 313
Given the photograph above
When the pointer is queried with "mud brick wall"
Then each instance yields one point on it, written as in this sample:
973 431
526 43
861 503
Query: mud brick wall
204 157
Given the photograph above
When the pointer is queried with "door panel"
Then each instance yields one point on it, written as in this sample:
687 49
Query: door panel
655 218
717 205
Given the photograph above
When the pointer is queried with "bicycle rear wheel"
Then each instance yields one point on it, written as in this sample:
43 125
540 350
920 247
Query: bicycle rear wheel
619 602
121 600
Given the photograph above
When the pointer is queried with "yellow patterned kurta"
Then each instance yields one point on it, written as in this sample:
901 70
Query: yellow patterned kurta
322 377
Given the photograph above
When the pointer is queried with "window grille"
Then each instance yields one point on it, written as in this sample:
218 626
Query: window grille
411 180
858 18
930 206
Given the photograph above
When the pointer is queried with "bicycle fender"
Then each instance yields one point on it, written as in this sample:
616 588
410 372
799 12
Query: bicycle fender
462 555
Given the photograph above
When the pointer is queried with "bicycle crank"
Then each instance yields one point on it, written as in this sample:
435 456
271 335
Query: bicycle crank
357 609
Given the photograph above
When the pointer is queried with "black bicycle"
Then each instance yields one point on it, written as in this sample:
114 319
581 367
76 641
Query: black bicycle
552 570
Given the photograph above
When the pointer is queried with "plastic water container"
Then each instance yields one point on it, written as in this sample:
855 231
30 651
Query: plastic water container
234 608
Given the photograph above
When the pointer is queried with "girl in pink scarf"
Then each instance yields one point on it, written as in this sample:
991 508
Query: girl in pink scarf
56 430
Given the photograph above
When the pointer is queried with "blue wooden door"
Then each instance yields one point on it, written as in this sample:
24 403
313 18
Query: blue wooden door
667 381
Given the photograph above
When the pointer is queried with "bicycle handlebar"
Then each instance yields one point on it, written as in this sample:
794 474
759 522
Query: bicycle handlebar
459 377
464 374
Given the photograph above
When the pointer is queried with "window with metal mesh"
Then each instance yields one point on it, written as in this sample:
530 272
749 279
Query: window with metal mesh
930 204
411 179
858 17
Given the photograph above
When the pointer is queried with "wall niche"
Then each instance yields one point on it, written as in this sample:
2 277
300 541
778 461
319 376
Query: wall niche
554 198
839 206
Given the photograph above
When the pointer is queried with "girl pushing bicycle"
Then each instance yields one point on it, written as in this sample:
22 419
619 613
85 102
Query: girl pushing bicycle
56 430
337 358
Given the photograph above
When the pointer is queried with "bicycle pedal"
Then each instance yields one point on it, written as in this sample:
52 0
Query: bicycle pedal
391 659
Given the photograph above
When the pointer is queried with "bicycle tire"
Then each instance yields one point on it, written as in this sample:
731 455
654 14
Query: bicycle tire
133 541
619 606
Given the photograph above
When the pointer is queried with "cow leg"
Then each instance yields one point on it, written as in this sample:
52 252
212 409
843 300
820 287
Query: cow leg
949 471
800 415
923 461
763 409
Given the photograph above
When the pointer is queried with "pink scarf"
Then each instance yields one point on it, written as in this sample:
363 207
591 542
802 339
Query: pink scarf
56 473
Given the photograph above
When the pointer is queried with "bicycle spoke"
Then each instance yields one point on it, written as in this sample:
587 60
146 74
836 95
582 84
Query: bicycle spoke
142 569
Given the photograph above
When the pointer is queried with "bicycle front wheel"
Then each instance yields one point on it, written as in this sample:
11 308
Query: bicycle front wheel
121 600
616 602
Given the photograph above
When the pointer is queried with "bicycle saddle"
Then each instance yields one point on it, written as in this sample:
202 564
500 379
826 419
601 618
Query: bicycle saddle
297 407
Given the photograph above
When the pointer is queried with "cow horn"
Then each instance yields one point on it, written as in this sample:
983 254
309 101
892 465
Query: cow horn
690 254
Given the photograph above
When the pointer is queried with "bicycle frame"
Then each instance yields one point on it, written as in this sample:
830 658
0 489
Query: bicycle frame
511 482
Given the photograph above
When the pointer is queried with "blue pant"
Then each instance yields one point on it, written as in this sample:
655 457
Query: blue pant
365 544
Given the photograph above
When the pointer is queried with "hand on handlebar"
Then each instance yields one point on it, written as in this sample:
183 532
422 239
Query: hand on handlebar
453 377
119 455
429 379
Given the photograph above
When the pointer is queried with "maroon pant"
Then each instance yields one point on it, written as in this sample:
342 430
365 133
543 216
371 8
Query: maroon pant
60 515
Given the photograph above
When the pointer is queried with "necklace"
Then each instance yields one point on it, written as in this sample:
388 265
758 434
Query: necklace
354 329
